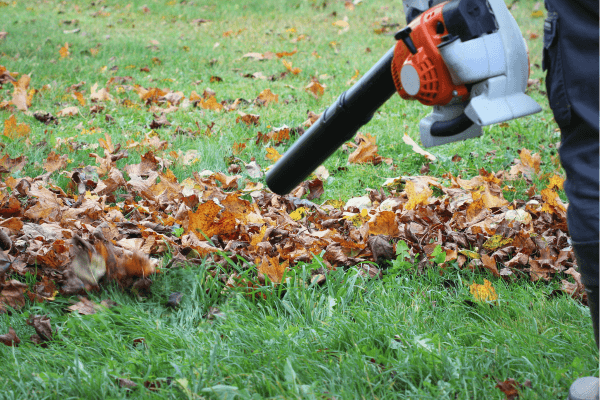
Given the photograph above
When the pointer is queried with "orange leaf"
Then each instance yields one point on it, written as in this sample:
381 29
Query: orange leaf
556 182
64 51
14 130
238 148
271 267
272 154
266 97
211 104
315 88
551 201
248 119
289 67
286 53
530 160
384 224
79 97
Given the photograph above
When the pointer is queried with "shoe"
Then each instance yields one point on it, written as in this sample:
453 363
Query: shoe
584 389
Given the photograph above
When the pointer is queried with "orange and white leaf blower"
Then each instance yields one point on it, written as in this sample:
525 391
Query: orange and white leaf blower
466 58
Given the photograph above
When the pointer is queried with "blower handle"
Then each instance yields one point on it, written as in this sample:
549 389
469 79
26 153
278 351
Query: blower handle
338 123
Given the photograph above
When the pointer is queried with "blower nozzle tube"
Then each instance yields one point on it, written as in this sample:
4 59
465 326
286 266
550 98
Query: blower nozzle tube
354 108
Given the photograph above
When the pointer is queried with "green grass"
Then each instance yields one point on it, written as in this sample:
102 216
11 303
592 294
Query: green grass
407 336
336 341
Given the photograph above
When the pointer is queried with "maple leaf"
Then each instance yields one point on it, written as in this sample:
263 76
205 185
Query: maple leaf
13 130
205 224
271 267
485 292
248 119
68 112
552 202
79 97
210 104
315 88
556 182
237 148
272 154
415 197
267 97
99 95
384 223
54 162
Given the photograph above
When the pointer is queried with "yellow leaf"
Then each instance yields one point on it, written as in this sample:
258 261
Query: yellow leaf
298 213
537 14
496 241
272 154
471 254
485 292
414 198
551 201
556 182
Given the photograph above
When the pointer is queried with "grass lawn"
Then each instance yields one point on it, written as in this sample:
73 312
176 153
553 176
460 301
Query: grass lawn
406 336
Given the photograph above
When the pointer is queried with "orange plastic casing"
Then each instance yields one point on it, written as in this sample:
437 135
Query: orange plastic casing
436 87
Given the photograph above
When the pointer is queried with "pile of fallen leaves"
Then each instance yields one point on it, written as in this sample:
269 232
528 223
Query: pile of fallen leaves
109 228
116 225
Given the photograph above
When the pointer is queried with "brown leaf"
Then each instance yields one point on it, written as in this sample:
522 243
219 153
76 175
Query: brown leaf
384 223
45 117
381 247
248 119
159 122
509 387
99 95
490 264
20 97
68 112
12 294
54 162
41 324
84 306
10 339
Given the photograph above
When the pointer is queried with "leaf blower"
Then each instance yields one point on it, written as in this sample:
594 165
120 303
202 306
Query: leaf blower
466 58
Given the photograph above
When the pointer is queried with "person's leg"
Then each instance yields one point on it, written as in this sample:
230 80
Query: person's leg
579 153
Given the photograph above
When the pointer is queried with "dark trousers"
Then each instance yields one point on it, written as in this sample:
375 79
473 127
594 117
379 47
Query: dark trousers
571 61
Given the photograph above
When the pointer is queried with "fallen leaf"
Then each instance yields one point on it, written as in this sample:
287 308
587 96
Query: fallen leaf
68 112
288 65
20 97
13 130
417 149
10 339
485 292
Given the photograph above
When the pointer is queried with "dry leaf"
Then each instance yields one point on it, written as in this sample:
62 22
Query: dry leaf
416 148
